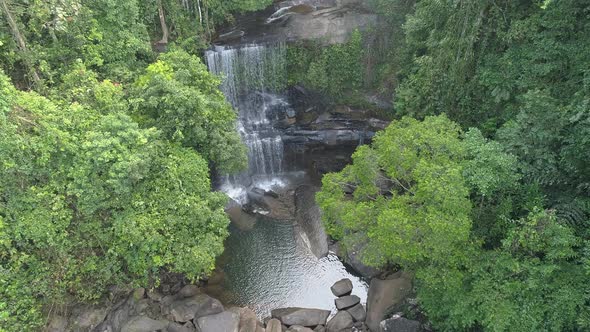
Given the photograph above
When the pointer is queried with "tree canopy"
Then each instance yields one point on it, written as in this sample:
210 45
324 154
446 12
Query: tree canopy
514 76
90 198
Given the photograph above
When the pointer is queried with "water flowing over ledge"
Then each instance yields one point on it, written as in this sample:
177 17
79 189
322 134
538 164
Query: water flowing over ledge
252 75
272 259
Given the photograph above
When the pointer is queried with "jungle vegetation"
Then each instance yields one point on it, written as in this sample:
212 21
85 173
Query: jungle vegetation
481 183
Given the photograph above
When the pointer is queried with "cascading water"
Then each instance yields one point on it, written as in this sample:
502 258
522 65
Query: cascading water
268 261
252 74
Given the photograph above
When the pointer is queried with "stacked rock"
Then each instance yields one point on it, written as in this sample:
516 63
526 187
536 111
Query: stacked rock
351 313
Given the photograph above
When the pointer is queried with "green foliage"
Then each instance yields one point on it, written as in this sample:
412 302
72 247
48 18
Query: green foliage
532 283
336 70
489 168
89 199
221 9
181 98
113 38
423 215
106 35
405 199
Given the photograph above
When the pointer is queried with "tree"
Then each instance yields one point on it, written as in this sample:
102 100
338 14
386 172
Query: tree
494 178
89 199
179 96
20 39
533 282
405 195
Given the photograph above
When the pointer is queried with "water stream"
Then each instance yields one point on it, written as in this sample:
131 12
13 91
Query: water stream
269 264
251 76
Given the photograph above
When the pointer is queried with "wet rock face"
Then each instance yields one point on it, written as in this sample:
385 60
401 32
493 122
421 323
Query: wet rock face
318 124
308 216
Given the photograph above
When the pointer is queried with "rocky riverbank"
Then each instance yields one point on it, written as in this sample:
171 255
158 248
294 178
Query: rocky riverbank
191 310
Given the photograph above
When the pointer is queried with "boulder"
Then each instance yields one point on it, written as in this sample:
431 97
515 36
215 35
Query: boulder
358 313
320 328
194 307
87 318
399 324
301 316
226 321
189 291
340 322
176 327
299 328
154 295
143 324
385 294
138 294
342 287
273 325
346 301
248 320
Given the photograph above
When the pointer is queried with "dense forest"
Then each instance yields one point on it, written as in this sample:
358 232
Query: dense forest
480 184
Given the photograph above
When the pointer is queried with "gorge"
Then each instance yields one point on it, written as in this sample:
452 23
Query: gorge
269 263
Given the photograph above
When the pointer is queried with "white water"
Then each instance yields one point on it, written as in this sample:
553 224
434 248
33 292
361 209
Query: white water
270 265
251 74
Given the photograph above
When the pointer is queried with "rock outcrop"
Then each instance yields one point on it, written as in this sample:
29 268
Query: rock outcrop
308 217
386 294
190 310
328 22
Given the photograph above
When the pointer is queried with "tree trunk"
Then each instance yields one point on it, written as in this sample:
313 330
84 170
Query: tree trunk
200 12
20 40
164 39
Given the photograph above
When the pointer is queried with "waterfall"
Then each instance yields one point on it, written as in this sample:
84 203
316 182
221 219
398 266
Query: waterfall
251 76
